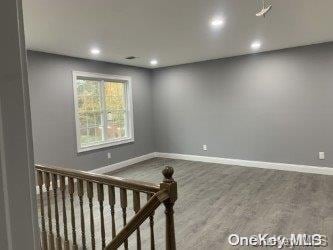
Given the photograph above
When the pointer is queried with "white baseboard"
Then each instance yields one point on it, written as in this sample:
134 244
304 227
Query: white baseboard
209 159
122 164
110 168
254 164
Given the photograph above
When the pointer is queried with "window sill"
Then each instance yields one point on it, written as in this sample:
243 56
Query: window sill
104 145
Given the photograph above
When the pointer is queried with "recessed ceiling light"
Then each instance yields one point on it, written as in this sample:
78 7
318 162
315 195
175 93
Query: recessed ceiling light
256 45
217 22
95 51
153 62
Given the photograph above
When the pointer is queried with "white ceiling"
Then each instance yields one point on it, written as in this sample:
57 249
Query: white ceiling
172 31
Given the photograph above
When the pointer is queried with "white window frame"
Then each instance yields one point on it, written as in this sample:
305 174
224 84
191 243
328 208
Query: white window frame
129 101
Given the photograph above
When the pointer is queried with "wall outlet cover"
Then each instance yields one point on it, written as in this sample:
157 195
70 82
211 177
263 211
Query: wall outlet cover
204 147
321 155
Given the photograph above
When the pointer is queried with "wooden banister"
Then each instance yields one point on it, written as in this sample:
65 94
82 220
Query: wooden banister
138 219
49 177
140 186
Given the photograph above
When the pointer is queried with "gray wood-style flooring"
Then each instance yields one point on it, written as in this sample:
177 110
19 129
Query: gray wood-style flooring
217 200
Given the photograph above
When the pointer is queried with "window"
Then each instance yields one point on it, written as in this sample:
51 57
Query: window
103 110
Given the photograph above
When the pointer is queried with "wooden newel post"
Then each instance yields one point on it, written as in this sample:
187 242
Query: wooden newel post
170 185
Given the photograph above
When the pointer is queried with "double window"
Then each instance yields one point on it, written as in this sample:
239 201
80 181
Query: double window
103 110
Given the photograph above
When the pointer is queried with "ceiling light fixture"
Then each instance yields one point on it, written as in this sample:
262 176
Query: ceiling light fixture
95 51
153 62
256 45
264 10
217 22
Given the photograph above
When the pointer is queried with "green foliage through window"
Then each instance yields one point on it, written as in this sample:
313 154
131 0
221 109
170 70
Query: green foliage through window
102 110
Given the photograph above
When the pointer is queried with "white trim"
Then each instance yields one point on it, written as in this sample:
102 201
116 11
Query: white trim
219 160
105 145
123 164
209 159
110 168
254 164
129 113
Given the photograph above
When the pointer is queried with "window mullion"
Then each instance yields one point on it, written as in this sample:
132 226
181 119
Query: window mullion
127 112
85 103
103 110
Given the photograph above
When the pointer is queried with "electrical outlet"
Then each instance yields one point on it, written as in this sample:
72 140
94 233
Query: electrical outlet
321 155
109 155
204 147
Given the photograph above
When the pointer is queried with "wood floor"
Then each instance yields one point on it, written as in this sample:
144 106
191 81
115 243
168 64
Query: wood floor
218 200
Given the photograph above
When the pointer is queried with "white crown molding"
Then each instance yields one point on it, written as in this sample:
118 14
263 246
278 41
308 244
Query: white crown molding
254 164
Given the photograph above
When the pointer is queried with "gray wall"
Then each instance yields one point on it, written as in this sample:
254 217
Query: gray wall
275 107
18 223
52 105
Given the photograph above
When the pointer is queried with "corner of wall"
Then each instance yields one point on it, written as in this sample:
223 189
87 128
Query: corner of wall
152 83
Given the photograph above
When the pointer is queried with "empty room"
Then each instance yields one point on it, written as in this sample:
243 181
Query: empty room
166 124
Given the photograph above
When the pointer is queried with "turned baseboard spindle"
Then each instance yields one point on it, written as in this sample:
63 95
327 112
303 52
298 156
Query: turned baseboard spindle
100 196
112 202
49 211
90 194
123 203
71 198
64 211
151 225
136 207
56 210
80 192
42 212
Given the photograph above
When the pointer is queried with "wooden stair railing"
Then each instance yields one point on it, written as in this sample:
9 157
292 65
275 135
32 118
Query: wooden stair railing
85 185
